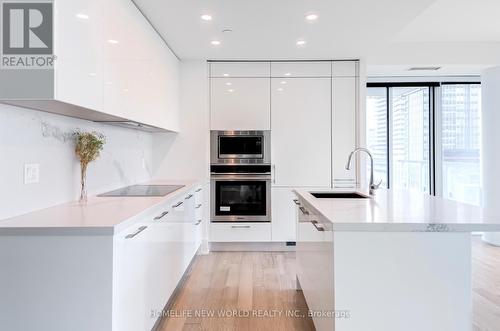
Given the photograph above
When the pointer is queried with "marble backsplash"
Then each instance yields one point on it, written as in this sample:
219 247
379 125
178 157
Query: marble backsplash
29 136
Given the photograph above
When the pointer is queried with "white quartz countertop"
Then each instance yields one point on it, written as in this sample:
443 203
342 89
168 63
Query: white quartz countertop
400 210
99 216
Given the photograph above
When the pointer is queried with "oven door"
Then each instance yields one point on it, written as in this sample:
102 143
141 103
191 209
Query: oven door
241 198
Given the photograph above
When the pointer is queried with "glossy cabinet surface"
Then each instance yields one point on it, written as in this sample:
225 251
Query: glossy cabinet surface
345 68
344 116
314 254
301 69
150 258
301 131
240 69
240 104
110 60
240 232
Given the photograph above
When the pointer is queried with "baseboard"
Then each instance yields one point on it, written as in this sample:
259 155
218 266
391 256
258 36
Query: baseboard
251 247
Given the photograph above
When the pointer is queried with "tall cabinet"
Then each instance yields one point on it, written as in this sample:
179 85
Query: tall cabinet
311 108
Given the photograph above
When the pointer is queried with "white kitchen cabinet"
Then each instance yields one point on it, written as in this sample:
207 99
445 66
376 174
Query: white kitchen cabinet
283 214
314 254
301 132
110 65
301 69
240 69
345 68
240 104
344 116
240 232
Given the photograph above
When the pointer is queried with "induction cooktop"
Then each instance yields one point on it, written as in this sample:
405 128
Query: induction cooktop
142 191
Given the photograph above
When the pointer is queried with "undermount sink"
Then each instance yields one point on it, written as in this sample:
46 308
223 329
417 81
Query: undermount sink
338 195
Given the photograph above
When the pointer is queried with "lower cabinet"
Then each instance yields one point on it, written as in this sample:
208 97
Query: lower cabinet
240 232
149 260
314 256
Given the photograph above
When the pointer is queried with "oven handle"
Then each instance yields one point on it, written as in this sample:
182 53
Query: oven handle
240 177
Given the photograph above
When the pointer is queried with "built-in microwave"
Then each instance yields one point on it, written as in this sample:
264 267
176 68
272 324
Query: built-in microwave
240 147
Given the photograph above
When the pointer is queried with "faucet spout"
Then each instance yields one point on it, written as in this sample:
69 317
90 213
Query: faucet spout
373 186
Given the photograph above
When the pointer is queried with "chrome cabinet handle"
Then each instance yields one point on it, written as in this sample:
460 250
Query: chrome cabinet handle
198 222
198 190
139 230
303 210
198 206
177 204
161 215
318 226
296 201
240 226
274 173
189 197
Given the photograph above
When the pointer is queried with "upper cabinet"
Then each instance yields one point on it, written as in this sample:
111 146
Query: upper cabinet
110 65
345 68
240 69
240 104
301 69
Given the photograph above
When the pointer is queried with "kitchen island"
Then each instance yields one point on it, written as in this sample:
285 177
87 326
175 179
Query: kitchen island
111 264
397 261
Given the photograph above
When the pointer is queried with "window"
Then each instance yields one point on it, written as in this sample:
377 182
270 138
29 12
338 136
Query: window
376 135
461 142
427 137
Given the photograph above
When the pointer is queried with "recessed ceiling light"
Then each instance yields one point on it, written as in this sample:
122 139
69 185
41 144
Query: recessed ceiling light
92 74
109 83
311 17
230 90
112 41
287 74
301 42
283 82
280 89
229 83
215 42
206 17
225 75
82 16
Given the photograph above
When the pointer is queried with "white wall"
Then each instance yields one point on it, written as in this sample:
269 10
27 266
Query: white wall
185 155
29 136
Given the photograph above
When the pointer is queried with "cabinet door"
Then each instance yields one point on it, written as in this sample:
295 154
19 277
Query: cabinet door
131 303
239 69
301 69
78 47
240 104
343 130
283 215
345 68
301 132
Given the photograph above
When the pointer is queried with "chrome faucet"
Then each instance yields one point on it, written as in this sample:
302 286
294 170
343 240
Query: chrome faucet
373 186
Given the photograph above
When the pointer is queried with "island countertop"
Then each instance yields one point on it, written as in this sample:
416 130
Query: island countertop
401 210
99 216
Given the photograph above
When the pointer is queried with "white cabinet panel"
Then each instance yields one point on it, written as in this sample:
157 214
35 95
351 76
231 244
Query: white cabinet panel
301 69
301 132
240 232
345 68
240 104
239 69
283 215
343 129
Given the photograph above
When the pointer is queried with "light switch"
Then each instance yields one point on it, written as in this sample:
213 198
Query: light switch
31 173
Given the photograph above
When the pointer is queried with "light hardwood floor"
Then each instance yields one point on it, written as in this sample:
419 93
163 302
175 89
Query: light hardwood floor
251 281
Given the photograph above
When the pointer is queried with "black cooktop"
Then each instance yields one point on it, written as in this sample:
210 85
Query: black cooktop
142 191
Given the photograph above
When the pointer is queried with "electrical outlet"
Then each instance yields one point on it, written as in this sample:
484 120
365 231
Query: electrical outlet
31 173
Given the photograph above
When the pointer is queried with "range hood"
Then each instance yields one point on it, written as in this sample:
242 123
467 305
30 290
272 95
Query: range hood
71 110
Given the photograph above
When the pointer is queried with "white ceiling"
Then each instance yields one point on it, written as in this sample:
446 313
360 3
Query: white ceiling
460 35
